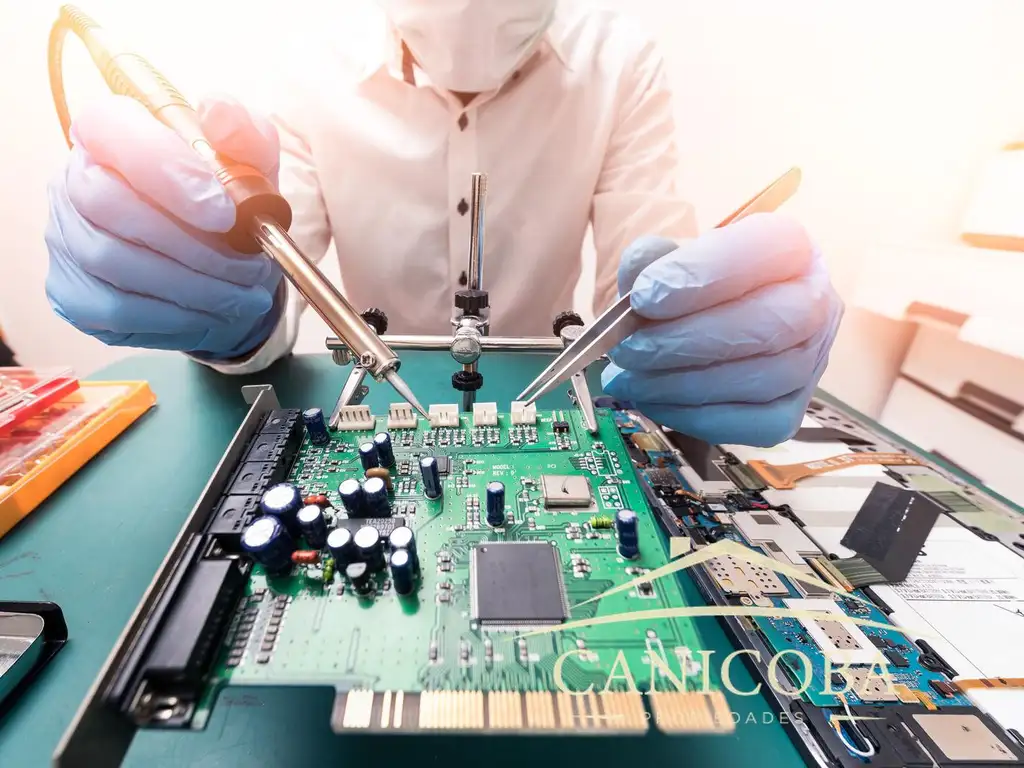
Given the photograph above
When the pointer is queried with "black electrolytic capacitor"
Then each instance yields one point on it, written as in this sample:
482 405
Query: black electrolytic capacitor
313 525
283 501
370 547
341 546
368 455
431 477
385 451
375 490
626 528
316 426
402 538
402 572
495 504
268 542
352 497
359 576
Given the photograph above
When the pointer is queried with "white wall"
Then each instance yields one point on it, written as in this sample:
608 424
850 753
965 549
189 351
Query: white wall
889 108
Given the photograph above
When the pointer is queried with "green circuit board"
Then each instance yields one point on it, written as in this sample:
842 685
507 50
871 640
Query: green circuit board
443 657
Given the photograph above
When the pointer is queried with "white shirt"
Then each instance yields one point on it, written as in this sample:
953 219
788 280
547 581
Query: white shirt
582 135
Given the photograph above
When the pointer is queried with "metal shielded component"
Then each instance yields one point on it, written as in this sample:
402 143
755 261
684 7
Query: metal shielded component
566 491
964 738
736 577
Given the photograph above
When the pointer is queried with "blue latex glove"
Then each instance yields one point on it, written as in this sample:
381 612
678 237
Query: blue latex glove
134 255
746 317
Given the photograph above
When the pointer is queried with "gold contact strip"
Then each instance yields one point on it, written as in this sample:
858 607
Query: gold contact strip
613 711
624 711
399 703
504 710
563 702
682 712
358 706
540 711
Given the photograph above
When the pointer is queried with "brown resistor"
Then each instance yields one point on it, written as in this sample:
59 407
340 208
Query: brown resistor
383 474
319 499
305 557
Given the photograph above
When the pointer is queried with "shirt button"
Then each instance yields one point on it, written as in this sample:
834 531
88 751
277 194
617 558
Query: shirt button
463 207
463 279
463 121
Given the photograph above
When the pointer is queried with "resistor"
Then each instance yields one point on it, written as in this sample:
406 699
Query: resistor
305 557
328 566
488 650
524 655
432 651
464 651
318 499
601 521
383 474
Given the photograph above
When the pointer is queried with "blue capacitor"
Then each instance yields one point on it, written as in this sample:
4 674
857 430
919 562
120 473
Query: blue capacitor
313 525
385 453
368 455
352 497
376 493
495 504
431 477
402 538
316 426
626 528
269 543
341 546
402 571
283 501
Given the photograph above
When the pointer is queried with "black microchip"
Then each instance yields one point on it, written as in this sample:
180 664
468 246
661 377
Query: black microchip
944 689
517 583
444 465
838 681
878 642
896 659
384 525
560 426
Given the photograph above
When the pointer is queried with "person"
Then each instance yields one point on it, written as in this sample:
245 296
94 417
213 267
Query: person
568 111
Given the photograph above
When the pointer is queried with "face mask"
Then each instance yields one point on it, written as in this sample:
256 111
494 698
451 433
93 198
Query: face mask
470 46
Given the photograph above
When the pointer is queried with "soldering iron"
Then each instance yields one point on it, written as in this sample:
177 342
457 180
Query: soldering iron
263 215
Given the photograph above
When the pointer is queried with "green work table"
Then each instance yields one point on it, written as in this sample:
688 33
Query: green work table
95 545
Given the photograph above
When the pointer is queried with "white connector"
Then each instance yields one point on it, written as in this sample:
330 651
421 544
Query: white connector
402 416
524 414
354 417
444 415
485 414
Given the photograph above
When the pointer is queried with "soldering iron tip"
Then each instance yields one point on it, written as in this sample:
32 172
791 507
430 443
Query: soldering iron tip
403 389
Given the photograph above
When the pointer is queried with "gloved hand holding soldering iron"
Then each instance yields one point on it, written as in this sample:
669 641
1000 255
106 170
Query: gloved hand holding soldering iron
744 315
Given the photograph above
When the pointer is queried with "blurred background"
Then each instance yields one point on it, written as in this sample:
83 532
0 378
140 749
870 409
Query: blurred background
903 117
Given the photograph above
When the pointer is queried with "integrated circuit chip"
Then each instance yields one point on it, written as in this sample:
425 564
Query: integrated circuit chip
516 583
566 490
